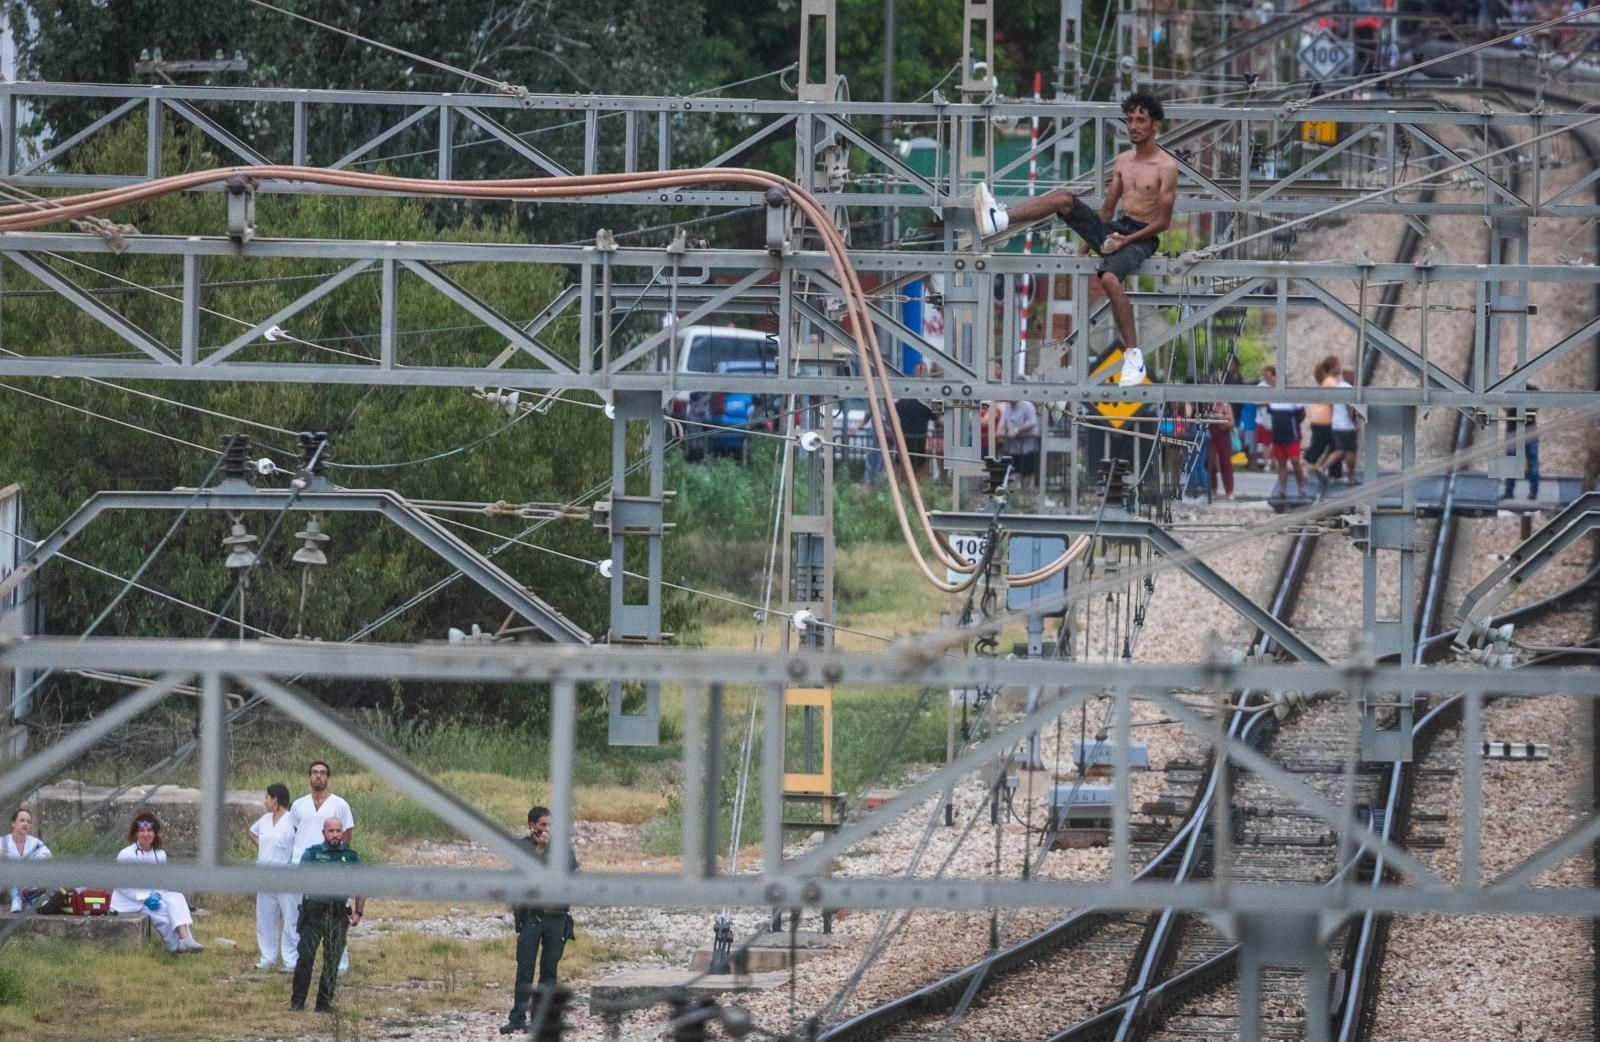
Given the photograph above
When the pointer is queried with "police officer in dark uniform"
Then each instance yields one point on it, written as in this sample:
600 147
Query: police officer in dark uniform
542 933
324 920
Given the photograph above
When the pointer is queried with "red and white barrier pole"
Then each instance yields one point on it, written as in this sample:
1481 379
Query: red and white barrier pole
1025 290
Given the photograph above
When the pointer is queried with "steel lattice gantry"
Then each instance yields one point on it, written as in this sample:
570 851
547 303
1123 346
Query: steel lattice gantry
803 881
975 370
602 134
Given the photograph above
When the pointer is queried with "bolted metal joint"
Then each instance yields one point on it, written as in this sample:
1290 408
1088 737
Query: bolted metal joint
241 209
777 200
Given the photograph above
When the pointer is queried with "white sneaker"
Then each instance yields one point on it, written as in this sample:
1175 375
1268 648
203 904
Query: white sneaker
1132 373
264 965
992 217
189 944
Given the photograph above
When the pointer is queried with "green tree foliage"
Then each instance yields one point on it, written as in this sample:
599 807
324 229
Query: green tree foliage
580 46
764 34
61 457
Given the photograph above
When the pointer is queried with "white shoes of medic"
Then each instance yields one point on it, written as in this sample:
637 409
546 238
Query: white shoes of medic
992 217
1132 373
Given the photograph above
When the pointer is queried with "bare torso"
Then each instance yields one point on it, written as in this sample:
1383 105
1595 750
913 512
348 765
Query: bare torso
1140 179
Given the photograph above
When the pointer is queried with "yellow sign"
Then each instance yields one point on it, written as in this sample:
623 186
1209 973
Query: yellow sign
1319 132
1106 370
818 700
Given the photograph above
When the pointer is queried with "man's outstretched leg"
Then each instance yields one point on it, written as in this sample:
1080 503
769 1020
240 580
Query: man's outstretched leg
994 217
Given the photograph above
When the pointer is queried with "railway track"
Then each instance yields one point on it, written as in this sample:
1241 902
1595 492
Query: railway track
1179 964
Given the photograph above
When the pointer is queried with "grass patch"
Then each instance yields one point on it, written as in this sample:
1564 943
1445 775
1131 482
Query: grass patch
56 990
387 819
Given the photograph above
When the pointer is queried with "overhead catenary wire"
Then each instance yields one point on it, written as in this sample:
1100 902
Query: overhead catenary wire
141 587
111 419
499 85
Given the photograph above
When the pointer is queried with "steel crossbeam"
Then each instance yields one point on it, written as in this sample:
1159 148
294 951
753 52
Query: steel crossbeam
431 120
236 497
1113 526
784 882
749 278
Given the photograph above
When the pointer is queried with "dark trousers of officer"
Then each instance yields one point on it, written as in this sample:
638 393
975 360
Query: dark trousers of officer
542 938
321 923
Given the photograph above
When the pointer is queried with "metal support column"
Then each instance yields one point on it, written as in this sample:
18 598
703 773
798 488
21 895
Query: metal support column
636 521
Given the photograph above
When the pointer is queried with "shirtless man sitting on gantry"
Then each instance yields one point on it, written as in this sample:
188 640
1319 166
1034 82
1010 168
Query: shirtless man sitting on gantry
1144 180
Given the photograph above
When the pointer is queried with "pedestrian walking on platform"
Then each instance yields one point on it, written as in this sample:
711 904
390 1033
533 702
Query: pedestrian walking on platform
542 933
324 921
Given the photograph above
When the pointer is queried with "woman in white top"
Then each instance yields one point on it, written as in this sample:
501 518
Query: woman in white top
168 910
273 835
21 845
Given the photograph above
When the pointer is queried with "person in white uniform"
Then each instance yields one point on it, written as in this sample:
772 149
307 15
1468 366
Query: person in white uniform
168 910
273 835
307 815
21 845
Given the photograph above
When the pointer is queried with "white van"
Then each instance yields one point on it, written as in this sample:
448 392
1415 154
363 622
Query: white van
703 349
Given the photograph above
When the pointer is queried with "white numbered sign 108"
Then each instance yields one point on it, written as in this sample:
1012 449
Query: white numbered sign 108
969 548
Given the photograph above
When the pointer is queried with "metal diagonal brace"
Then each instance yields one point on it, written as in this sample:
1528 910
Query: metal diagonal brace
1576 842
1571 523
467 820
294 307
487 315
1518 378
973 759
92 307
1126 527
419 526
47 761
1402 353
517 144
1242 754
711 304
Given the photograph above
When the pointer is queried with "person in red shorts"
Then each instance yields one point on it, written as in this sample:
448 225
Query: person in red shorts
1286 419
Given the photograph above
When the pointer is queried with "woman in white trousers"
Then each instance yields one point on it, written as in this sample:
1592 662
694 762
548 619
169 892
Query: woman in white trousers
168 910
273 835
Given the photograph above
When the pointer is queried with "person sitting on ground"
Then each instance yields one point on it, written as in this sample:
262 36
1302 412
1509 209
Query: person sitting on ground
1144 179
21 845
168 910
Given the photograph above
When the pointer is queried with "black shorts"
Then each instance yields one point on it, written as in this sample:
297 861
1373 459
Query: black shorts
1125 261
1344 441
1321 442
